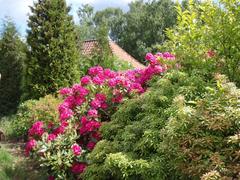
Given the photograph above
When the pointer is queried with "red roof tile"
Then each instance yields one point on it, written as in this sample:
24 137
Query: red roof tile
89 45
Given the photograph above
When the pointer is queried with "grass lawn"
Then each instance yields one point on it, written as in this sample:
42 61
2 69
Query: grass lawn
14 166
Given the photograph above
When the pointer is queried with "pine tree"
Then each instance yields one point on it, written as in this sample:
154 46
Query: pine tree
53 54
12 55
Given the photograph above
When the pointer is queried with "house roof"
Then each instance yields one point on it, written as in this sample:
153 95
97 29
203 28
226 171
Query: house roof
89 45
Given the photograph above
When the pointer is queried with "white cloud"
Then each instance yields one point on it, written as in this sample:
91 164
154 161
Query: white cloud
18 9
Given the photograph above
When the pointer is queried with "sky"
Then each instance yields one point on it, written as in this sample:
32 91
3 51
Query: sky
18 10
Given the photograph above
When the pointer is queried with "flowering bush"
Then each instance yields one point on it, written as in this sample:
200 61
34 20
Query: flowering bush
63 149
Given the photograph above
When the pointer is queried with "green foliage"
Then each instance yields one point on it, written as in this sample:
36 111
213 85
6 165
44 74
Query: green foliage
137 31
45 109
101 54
208 27
121 65
53 54
12 55
6 126
197 138
16 167
86 27
179 129
144 26
113 17
57 154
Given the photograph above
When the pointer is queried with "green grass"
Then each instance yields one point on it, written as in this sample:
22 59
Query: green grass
16 167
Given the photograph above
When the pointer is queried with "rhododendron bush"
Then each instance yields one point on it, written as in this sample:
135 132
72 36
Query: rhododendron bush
63 148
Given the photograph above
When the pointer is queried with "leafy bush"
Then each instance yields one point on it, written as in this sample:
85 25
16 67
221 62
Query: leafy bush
116 63
44 109
53 54
6 126
179 129
64 147
206 38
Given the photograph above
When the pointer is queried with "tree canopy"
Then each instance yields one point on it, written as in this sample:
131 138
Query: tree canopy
12 55
53 49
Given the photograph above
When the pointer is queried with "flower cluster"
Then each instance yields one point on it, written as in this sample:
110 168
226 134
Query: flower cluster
36 129
94 100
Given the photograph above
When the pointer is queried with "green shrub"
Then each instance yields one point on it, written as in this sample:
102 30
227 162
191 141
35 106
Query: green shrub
44 109
16 167
53 54
179 129
6 126
206 38
200 138
12 55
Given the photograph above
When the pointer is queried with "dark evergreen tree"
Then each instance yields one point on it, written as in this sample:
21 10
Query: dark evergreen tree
12 54
53 55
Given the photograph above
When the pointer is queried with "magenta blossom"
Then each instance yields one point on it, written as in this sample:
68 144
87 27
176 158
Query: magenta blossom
36 129
77 150
93 71
30 146
78 168
85 80
91 145
51 178
51 137
93 113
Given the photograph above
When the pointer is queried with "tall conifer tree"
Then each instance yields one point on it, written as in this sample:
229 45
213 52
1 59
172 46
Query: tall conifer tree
53 54
12 54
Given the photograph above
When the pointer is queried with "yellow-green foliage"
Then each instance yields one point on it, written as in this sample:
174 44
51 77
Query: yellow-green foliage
179 129
208 27
197 139
45 109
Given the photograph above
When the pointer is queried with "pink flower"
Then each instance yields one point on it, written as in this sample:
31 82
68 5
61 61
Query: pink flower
66 114
168 56
36 129
30 146
101 97
91 145
112 82
151 58
51 178
50 125
98 80
51 137
109 73
78 168
65 91
160 55
95 103
211 54
96 135
93 113
79 100
89 126
85 80
82 91
104 105
61 128
118 97
93 71
84 120
77 150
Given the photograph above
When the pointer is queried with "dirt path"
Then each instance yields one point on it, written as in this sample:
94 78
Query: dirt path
21 168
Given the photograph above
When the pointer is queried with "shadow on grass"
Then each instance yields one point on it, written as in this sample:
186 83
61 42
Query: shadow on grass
14 167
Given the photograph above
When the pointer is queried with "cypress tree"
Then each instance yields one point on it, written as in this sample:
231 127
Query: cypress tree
12 54
53 54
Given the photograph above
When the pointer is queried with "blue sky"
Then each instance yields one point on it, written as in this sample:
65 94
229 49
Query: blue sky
19 9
